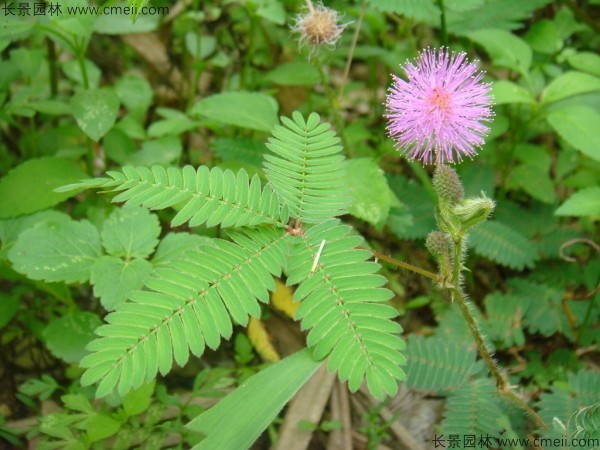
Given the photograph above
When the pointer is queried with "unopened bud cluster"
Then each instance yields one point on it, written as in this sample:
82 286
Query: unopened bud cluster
455 215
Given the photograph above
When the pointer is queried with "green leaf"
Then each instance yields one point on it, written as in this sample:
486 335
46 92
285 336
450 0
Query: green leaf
502 244
438 365
138 400
509 92
583 203
117 24
371 196
9 305
95 111
257 402
505 49
68 336
114 279
543 37
30 186
175 122
61 250
419 205
175 246
306 168
130 232
72 69
207 44
272 10
578 125
249 151
534 180
163 151
421 10
298 73
101 426
243 109
586 62
134 92
473 409
570 84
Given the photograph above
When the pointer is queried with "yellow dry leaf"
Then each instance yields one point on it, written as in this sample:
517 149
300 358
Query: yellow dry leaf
261 341
281 299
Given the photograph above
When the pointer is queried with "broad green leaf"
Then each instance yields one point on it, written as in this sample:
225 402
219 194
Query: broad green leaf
175 122
505 49
28 60
116 24
534 180
130 232
243 109
273 11
578 125
568 85
72 70
176 246
200 46
57 251
9 305
583 203
101 426
422 10
369 191
586 62
68 336
164 151
138 400
114 279
134 92
256 402
543 37
463 5
298 73
95 111
509 92
30 186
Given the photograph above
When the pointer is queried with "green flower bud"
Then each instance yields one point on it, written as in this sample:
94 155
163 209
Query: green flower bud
447 184
437 243
473 210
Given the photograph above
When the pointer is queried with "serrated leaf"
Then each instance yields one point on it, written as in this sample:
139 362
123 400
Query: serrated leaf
583 203
578 126
68 336
504 245
57 251
95 111
243 109
114 279
29 187
371 196
130 232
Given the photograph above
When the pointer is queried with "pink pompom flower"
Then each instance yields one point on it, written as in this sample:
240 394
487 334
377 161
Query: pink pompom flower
439 115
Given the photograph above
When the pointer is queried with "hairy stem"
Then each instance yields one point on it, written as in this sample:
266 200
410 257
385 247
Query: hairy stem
501 382
309 5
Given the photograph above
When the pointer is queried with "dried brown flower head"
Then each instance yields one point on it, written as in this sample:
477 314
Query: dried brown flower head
318 26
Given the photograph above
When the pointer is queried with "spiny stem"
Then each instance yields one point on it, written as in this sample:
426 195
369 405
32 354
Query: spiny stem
408 266
501 382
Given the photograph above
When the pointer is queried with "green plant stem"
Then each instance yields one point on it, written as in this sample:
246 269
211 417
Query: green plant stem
408 266
443 26
52 69
338 120
501 382
350 57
